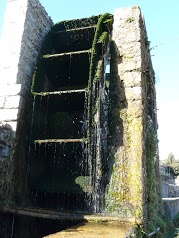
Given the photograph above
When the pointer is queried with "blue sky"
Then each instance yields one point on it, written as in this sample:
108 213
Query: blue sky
162 21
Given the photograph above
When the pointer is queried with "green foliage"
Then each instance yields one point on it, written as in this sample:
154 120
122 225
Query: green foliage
137 234
147 42
175 167
104 37
170 159
156 217
172 164
100 35
76 23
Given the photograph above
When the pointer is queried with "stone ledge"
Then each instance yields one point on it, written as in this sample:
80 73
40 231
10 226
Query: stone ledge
171 199
96 230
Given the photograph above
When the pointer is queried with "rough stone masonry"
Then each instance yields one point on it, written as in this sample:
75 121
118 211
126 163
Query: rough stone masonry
26 23
135 148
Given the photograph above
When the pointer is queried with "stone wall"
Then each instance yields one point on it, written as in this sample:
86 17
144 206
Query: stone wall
171 206
169 190
170 195
133 125
26 23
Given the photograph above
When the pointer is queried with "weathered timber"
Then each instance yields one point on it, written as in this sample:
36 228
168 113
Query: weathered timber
66 53
76 29
61 141
68 216
61 92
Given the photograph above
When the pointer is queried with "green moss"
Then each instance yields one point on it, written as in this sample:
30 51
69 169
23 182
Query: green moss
39 71
95 56
109 23
104 38
124 195
99 71
154 209
76 23
95 70
116 183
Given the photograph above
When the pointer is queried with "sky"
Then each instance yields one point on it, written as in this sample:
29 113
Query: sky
162 20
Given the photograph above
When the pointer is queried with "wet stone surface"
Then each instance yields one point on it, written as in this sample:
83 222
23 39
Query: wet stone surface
96 230
6 141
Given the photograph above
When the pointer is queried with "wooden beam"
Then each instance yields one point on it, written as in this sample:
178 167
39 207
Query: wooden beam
61 141
66 53
69 216
60 92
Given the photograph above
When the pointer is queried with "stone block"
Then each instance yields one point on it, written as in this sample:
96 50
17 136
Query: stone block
131 79
2 101
134 93
10 89
135 108
14 102
129 50
131 65
8 114
126 27
127 24
8 75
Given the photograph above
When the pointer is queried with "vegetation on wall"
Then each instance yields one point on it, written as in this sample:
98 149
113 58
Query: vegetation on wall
115 191
95 108
154 208
156 218
101 38
77 23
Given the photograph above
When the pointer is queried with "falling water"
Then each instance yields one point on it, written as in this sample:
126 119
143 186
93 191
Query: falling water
46 116
39 116
30 137
12 229
30 141
61 155
69 70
